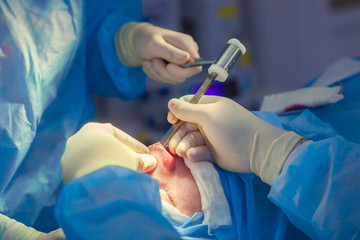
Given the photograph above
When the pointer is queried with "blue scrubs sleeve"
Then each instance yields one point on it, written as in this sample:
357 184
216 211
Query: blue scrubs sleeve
112 203
320 189
106 75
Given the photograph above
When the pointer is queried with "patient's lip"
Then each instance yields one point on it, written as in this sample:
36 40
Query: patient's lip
165 160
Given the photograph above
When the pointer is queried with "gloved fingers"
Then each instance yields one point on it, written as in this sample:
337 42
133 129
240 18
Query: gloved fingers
171 118
160 48
203 100
187 98
176 139
180 134
182 73
184 42
57 234
151 72
190 127
199 153
98 145
106 128
186 111
161 69
149 69
130 142
147 162
169 73
197 113
191 139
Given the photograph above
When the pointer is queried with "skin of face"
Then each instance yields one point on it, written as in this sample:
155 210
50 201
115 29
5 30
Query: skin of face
177 185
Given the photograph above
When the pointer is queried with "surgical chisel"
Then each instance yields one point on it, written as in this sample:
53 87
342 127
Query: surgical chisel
219 70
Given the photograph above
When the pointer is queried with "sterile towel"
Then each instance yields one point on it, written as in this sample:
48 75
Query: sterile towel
213 200
318 94
302 98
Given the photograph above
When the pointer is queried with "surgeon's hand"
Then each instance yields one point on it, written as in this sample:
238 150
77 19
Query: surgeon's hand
98 145
57 234
10 229
238 140
160 51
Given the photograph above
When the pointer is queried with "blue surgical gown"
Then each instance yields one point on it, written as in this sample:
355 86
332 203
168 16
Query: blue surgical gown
53 55
316 196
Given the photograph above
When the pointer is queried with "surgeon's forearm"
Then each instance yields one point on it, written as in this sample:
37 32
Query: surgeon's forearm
319 188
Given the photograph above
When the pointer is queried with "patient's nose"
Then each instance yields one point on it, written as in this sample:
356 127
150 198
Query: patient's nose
166 161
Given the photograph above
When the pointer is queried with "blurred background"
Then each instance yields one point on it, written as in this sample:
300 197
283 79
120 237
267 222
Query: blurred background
288 44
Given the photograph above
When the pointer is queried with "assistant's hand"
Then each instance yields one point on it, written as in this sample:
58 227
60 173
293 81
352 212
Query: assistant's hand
57 234
238 140
10 229
98 145
160 51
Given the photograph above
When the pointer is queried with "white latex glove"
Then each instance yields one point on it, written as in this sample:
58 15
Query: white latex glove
57 234
160 51
11 229
98 145
238 140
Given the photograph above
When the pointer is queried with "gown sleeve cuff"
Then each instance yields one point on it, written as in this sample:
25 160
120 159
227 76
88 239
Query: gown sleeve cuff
125 45
276 156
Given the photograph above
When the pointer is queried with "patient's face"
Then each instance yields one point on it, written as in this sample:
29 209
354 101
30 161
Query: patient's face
177 185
